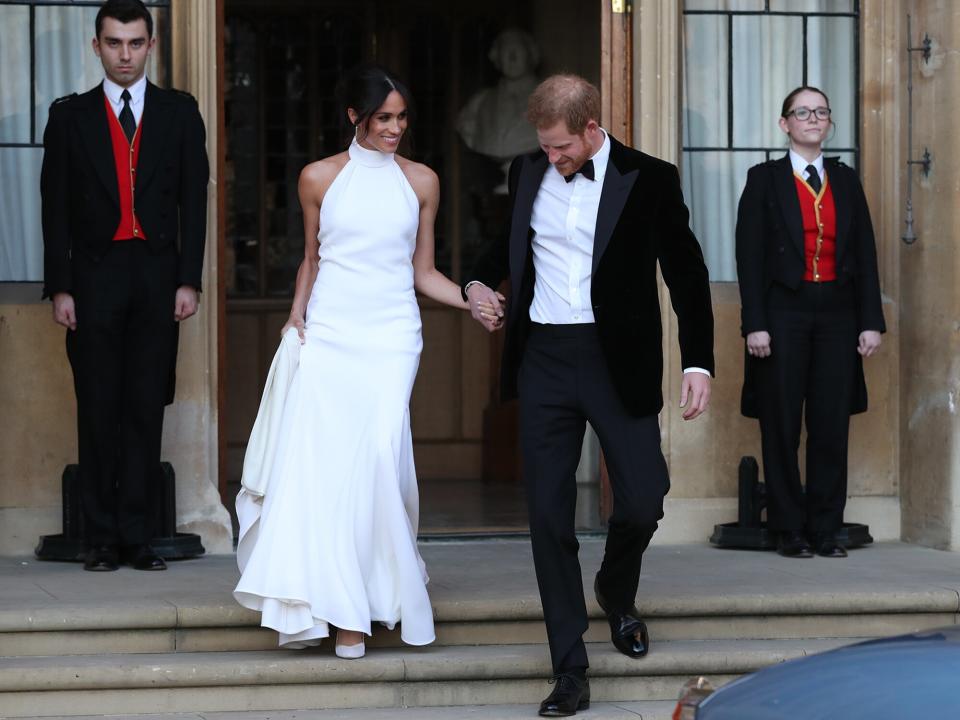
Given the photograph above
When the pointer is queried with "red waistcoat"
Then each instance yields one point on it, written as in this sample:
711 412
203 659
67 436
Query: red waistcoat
819 231
125 156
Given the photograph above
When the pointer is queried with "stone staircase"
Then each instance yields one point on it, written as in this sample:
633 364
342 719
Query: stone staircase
168 643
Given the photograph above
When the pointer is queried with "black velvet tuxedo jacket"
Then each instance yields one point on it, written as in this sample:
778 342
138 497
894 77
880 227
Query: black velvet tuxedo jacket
641 220
770 249
81 205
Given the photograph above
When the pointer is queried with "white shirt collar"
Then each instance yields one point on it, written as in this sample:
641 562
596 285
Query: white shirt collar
600 158
800 165
114 91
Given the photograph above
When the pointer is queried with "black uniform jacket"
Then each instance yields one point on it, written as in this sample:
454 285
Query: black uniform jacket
641 220
81 205
770 250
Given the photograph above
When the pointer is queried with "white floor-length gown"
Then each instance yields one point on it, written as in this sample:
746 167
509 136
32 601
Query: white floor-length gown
333 538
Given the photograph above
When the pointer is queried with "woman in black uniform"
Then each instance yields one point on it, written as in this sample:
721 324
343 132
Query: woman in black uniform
811 310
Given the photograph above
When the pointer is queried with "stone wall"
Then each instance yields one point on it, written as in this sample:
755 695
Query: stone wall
930 285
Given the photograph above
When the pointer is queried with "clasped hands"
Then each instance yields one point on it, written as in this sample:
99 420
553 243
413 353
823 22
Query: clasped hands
486 306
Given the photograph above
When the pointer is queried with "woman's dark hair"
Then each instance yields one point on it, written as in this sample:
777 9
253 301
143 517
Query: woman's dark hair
126 11
788 101
365 89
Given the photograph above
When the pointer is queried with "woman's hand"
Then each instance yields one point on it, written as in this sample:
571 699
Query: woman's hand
758 344
869 342
486 306
491 317
295 320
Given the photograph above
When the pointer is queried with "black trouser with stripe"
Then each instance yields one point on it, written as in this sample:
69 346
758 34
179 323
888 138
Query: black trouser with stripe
564 383
810 371
121 354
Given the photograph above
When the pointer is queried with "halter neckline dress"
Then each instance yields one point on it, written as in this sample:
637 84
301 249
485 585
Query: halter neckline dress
333 538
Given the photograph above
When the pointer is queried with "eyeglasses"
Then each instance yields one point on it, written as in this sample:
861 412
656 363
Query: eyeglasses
803 113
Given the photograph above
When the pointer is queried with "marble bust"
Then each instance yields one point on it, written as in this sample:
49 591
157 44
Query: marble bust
492 122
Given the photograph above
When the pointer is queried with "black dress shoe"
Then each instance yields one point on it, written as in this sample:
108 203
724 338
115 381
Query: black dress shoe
101 558
570 693
794 544
627 631
830 547
144 557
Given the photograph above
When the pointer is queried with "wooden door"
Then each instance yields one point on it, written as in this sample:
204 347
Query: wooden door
281 61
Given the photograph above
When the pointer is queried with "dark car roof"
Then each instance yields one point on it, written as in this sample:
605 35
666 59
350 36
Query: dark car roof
908 676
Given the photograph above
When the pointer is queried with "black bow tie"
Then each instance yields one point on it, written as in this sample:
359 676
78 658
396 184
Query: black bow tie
586 170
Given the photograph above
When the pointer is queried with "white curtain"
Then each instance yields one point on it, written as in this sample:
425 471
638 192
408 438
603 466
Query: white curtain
64 63
724 138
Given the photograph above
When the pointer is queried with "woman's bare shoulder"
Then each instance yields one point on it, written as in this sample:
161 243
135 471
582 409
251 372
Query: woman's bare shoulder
325 170
423 179
317 176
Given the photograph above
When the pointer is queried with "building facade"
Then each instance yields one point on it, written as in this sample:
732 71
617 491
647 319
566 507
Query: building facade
698 83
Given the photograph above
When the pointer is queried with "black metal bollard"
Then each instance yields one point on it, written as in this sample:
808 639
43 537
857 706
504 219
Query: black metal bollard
750 532
69 546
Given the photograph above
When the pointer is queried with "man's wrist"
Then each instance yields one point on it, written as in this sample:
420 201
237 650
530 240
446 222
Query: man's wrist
700 370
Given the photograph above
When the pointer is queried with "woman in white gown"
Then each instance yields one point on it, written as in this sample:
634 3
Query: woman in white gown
331 538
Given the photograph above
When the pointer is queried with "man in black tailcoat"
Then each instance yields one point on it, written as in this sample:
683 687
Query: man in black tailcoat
124 188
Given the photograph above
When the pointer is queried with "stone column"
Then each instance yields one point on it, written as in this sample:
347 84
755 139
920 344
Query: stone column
191 424
930 283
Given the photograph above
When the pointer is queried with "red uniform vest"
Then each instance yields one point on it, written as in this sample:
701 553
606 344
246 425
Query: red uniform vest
125 157
819 231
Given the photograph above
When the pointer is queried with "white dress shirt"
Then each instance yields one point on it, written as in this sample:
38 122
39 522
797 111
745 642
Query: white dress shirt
564 220
800 165
137 92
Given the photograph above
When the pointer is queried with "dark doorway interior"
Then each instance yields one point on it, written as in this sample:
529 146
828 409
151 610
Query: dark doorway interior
282 62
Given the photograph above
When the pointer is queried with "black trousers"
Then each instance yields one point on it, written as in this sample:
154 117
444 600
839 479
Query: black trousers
564 383
121 355
810 371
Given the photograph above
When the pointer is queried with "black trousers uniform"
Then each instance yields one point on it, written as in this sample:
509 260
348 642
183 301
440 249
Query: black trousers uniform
121 355
811 372
563 384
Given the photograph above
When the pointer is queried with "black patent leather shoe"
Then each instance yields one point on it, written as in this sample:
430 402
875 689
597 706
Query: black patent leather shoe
627 631
794 544
570 693
144 557
101 558
831 548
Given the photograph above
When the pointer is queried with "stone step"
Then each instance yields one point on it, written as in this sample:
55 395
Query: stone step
648 710
216 626
386 678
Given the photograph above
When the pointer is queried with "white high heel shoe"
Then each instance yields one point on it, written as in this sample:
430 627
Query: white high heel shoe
349 652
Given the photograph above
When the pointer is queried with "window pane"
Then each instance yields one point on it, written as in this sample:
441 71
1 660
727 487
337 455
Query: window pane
21 243
65 62
706 44
834 6
723 5
15 74
767 64
831 62
712 183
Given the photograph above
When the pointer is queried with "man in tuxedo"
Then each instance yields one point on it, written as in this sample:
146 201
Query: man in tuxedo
124 188
590 220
